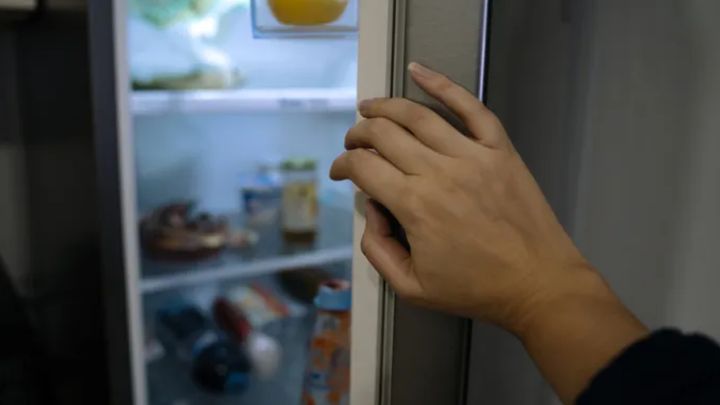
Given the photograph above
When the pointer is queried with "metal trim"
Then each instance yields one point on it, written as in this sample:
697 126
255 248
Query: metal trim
387 304
416 17
484 50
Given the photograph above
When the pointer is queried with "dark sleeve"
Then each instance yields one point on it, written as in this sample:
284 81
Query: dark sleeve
667 367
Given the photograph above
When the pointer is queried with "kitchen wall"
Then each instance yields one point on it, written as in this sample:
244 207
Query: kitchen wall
613 104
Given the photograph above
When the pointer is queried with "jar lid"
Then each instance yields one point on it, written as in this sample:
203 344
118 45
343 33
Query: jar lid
299 164
334 295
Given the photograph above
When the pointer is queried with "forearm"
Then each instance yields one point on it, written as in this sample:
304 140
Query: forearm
573 336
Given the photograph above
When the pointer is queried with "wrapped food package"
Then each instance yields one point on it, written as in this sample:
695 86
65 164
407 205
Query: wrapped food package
172 44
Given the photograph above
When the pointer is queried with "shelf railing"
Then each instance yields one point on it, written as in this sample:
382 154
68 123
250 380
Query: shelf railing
158 102
231 271
272 253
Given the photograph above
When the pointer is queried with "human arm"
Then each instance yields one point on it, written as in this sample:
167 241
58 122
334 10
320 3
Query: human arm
485 243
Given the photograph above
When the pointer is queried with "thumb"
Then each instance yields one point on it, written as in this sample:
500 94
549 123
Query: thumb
386 254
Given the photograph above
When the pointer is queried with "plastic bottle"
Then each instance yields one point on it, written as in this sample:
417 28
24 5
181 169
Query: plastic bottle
327 378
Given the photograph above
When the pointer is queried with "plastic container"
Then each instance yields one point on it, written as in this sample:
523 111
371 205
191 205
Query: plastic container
304 18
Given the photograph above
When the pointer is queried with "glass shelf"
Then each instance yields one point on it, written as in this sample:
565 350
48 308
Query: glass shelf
157 102
272 253
170 381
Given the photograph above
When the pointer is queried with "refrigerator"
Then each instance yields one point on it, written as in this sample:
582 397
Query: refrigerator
197 115
175 146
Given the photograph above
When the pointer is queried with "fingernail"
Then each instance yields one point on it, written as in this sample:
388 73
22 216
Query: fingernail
421 71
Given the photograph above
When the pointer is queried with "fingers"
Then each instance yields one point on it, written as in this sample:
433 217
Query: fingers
373 174
481 121
427 126
387 255
393 142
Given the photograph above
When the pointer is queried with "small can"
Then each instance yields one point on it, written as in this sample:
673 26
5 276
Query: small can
299 199
327 378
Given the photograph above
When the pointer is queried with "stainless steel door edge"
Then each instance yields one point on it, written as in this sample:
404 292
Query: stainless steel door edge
423 354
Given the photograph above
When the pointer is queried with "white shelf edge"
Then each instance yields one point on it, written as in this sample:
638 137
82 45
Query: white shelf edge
157 102
251 269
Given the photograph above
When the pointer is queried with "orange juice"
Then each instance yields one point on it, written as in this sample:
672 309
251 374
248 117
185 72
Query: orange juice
307 12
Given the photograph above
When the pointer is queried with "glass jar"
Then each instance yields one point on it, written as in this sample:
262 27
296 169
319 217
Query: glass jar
299 199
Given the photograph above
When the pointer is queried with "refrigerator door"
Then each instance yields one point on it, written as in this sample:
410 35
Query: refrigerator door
419 355
374 80
112 147
613 107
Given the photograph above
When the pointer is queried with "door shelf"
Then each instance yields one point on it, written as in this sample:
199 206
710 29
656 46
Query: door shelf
159 102
266 24
332 244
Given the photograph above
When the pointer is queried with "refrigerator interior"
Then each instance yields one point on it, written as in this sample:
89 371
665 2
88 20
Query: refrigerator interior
217 104
613 105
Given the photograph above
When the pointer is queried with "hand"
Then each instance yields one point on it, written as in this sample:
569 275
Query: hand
484 242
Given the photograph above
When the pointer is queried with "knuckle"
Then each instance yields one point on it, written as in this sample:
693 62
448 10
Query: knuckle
378 126
419 115
353 132
414 202
354 159
443 84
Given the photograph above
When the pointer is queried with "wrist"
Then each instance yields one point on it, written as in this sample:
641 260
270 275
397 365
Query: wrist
574 292
575 329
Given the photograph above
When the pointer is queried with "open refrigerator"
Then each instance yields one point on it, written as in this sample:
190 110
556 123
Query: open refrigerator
233 118
233 271
581 86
